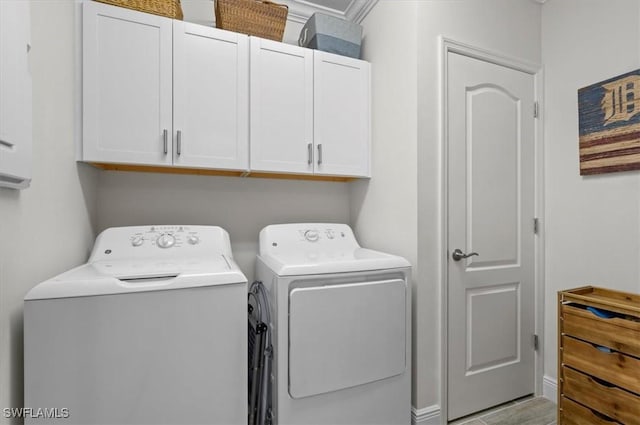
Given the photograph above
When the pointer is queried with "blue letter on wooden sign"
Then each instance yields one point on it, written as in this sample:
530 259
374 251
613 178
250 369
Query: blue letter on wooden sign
609 120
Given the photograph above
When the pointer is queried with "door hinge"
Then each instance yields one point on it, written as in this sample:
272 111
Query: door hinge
536 109
535 342
536 225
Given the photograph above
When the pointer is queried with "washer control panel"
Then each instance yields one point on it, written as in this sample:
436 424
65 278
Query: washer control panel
165 237
161 241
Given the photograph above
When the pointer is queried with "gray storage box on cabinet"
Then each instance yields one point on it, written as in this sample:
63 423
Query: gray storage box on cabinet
331 34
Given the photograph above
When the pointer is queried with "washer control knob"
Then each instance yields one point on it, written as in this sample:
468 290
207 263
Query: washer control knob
166 240
137 241
311 235
193 239
330 233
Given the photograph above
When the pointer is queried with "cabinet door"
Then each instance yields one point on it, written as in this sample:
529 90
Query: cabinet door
281 107
127 92
341 115
15 94
210 97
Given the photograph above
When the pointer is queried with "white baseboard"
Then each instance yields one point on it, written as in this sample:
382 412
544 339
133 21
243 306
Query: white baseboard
429 415
550 388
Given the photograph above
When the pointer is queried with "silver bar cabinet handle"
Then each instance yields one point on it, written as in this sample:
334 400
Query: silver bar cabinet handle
309 153
179 143
320 154
165 137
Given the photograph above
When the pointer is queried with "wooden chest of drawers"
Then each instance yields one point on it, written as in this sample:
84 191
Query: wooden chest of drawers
598 357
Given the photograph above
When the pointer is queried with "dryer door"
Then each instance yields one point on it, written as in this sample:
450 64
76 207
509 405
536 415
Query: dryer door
345 335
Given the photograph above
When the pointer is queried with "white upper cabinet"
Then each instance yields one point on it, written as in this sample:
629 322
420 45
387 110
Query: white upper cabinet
127 88
162 92
15 95
341 115
309 111
281 86
210 97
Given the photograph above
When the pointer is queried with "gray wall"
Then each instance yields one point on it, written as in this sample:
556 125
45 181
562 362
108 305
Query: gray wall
384 209
592 223
242 206
47 228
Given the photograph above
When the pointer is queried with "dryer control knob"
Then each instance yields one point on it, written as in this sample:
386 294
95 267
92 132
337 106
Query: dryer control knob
311 235
166 240
137 241
193 240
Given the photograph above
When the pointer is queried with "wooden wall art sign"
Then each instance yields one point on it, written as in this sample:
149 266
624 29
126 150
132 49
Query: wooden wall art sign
609 123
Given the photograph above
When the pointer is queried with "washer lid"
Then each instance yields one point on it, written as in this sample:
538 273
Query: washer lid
316 248
148 258
119 277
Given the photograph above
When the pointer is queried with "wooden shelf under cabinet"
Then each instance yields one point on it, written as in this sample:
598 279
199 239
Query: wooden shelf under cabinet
598 357
209 172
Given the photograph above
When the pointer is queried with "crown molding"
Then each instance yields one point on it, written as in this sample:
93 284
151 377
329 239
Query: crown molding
359 9
301 10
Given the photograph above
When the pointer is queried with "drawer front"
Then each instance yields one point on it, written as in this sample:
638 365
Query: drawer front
617 333
574 414
612 401
615 368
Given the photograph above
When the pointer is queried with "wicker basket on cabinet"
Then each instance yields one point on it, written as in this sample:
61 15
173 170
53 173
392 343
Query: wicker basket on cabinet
253 17
168 8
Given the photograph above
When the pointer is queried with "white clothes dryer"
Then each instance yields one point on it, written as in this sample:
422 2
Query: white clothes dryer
152 330
341 327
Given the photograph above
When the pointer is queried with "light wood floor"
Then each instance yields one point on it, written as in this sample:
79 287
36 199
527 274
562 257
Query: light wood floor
526 411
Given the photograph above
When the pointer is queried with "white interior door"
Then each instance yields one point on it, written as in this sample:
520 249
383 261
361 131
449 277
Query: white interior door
127 96
281 111
210 97
491 211
341 115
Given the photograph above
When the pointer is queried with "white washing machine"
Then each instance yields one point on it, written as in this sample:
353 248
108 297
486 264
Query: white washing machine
341 327
152 330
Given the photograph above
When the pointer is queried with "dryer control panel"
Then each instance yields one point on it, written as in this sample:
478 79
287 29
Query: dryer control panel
319 248
161 241
316 233
306 237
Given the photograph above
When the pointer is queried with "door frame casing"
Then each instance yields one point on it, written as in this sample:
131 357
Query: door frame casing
447 46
